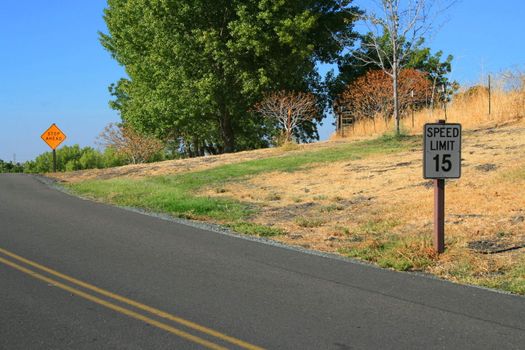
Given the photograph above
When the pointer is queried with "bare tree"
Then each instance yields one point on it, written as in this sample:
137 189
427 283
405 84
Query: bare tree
290 109
404 23
138 148
512 80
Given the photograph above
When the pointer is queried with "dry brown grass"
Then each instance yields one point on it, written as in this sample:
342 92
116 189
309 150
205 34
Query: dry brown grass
471 111
379 208
348 194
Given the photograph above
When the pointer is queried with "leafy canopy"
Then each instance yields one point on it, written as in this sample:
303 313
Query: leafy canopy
416 56
195 68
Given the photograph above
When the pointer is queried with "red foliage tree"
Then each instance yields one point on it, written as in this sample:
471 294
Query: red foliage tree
370 95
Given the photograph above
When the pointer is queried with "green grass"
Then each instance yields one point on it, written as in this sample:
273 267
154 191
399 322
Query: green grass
376 227
415 253
512 280
395 252
309 222
252 229
171 195
462 270
332 207
175 194
342 229
374 241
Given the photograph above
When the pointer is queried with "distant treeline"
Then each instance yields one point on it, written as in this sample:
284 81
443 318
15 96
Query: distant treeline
70 158
10 167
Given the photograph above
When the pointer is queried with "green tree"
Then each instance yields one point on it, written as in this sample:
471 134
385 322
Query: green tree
415 56
196 68
70 158
43 163
10 167
111 158
91 159
395 27
438 69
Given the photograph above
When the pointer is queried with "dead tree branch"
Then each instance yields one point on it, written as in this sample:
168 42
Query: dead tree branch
138 148
290 109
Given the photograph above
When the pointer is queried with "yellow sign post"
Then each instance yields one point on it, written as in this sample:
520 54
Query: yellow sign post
53 137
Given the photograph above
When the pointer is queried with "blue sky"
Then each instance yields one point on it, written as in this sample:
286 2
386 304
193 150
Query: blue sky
53 69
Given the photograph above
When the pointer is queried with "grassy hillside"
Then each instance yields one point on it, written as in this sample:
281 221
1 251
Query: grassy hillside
179 194
363 199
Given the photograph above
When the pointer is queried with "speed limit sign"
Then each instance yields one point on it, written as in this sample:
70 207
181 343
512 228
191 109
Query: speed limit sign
442 151
441 160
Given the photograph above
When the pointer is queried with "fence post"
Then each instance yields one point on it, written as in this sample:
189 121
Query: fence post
490 97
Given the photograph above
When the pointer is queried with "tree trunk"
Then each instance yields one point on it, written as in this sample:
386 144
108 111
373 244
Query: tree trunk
432 97
396 98
198 147
289 126
395 64
227 132
189 150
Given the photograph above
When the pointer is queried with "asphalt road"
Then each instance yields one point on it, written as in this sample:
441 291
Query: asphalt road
75 274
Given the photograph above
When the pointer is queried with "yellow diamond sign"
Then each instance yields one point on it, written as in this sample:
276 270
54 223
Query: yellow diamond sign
53 136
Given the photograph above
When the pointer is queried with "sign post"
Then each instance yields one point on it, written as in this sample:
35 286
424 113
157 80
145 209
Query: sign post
438 237
53 136
441 160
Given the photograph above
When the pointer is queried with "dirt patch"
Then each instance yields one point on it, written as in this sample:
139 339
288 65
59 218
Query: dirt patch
486 167
494 246
517 219
425 184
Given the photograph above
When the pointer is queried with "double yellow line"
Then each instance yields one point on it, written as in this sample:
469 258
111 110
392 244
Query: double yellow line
153 311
